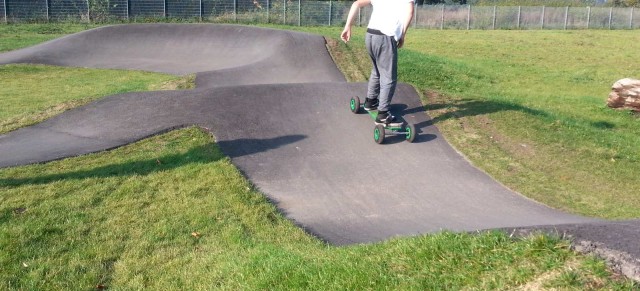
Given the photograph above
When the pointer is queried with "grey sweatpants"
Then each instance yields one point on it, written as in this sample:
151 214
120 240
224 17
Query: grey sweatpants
383 51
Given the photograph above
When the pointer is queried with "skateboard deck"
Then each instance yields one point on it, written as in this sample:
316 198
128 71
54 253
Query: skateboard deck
381 129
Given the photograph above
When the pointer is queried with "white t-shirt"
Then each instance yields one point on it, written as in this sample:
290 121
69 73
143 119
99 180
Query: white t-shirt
388 16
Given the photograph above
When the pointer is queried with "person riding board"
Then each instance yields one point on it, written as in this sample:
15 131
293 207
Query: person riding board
386 33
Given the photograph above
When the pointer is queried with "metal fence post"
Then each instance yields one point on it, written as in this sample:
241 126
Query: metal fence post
542 19
299 13
415 15
566 17
359 16
493 23
128 10
200 10
268 11
519 15
88 13
47 3
442 19
468 16
588 16
330 10
631 19
284 15
164 8
5 11
610 16
235 10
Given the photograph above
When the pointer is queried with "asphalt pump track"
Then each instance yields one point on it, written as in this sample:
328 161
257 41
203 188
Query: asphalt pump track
278 107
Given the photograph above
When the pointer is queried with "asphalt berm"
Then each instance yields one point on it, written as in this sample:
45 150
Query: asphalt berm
278 106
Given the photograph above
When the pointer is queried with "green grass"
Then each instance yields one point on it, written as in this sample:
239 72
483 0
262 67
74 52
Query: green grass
171 212
18 36
541 96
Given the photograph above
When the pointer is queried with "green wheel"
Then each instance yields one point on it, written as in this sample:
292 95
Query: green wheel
410 132
354 105
378 134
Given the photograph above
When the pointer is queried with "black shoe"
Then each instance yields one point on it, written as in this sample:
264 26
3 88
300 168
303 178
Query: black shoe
370 104
384 117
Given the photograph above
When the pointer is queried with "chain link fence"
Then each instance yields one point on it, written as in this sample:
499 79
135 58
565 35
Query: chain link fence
520 17
315 13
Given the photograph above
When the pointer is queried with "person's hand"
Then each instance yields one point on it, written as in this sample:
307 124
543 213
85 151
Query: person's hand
346 34
401 42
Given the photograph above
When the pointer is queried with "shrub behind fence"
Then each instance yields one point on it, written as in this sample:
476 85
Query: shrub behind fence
315 13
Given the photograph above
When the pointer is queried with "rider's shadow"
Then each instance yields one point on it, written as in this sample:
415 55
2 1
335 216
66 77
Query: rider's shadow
421 121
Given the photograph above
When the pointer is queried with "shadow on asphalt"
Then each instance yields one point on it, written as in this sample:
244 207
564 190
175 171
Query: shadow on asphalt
422 137
249 146
402 110
198 155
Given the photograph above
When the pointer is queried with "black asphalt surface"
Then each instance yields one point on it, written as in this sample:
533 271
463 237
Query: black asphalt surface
278 106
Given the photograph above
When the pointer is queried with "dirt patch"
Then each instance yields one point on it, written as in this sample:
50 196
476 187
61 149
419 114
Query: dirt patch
185 83
518 149
619 261
476 130
539 282
37 117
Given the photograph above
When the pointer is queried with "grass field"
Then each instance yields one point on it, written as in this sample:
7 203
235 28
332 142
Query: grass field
533 113
19 36
171 212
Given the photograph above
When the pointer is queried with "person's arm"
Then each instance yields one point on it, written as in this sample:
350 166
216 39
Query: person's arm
406 23
346 33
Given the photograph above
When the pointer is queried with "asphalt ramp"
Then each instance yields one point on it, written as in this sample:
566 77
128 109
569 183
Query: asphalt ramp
279 108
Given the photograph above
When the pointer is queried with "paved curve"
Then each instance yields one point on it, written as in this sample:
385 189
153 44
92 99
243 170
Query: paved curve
278 107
